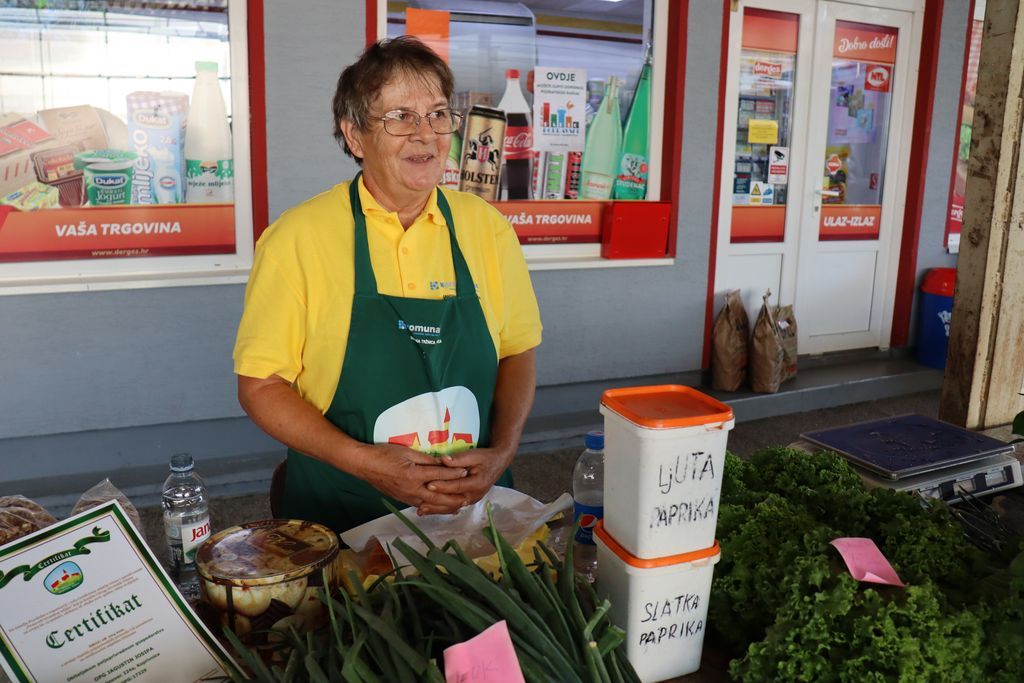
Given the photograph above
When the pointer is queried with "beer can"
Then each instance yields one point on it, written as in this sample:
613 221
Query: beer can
574 160
554 175
480 169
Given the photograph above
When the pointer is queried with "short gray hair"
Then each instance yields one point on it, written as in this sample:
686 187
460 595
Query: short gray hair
361 82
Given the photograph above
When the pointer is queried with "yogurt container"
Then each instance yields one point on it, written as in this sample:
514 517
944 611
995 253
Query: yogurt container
107 174
267 575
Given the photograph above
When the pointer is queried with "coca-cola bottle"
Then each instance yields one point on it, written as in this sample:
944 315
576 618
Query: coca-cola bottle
516 174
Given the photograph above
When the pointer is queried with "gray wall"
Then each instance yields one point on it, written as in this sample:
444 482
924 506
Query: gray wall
609 323
931 250
129 377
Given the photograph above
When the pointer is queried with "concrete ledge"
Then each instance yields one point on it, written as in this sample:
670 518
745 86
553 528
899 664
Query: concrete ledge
827 386
236 458
232 455
847 379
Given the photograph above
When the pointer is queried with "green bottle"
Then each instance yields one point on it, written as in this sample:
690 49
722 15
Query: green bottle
631 181
601 153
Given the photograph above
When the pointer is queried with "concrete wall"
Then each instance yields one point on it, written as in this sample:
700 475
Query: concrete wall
129 377
931 250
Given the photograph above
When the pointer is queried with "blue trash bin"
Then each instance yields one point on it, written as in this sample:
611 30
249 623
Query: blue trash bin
935 312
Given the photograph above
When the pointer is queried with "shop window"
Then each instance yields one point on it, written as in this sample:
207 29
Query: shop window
764 126
120 160
576 93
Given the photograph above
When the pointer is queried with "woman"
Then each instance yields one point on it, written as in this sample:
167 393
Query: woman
386 322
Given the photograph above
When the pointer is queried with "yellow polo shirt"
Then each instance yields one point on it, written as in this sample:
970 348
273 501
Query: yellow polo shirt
298 302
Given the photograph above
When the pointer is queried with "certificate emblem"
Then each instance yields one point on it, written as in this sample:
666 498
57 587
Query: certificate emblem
64 579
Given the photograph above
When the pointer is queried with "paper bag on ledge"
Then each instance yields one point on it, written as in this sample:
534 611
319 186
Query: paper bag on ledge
767 351
729 339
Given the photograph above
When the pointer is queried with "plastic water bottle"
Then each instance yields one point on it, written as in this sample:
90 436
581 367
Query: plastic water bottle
588 497
186 521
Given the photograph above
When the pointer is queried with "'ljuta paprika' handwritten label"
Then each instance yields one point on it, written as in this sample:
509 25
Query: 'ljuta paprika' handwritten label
683 507
674 616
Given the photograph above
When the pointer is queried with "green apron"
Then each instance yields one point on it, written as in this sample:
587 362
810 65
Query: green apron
417 372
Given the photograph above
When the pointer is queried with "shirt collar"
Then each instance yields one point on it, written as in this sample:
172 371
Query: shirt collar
371 205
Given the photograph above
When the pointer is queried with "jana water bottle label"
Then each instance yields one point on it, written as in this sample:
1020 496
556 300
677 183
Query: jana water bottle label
193 536
588 516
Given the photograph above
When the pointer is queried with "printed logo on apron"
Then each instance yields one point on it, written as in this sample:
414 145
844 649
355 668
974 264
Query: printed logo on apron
435 422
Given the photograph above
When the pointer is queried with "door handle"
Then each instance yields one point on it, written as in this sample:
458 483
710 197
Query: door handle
827 193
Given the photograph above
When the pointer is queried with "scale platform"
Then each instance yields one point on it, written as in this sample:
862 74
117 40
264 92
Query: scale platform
919 453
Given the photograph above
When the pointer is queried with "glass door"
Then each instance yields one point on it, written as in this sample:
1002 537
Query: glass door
764 142
856 163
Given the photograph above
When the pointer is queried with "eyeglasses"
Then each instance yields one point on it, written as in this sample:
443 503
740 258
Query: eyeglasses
403 122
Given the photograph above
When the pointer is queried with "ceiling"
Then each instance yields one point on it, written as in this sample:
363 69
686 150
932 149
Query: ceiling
628 11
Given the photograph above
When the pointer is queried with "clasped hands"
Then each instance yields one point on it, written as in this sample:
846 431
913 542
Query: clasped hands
432 485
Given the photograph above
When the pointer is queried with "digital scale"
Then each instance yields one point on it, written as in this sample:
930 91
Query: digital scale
917 453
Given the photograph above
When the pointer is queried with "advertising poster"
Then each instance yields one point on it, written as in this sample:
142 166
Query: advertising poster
861 92
955 218
86 600
542 222
78 182
116 140
559 109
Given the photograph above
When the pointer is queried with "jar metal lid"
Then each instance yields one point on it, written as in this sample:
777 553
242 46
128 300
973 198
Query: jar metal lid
266 552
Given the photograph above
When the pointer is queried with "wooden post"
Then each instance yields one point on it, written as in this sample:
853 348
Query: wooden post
985 366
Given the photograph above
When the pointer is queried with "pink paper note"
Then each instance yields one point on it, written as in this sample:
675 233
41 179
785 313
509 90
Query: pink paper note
486 658
866 562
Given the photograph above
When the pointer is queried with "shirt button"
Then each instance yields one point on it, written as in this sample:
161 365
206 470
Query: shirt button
411 286
405 250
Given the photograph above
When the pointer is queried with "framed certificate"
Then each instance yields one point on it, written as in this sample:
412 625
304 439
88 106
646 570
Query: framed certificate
85 600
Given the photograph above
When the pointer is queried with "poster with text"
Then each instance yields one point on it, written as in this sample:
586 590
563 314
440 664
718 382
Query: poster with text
559 109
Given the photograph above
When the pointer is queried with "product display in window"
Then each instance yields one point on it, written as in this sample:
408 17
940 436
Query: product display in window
562 70
94 160
115 132
631 182
604 141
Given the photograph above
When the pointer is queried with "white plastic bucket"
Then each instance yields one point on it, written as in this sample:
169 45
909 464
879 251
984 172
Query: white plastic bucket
662 605
664 452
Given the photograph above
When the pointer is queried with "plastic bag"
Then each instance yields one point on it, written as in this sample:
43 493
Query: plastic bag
785 321
516 515
20 516
729 344
103 492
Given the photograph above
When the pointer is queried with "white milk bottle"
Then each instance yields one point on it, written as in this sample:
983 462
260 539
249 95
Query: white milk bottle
209 169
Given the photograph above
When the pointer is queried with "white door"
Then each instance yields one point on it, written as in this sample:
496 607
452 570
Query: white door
812 200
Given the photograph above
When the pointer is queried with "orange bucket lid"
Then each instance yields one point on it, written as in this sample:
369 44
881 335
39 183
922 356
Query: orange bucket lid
666 406
666 561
